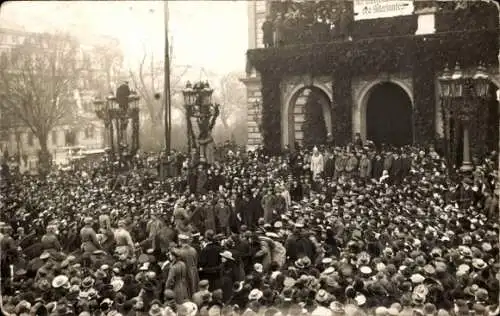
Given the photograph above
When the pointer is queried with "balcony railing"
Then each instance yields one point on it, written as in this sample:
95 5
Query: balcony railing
306 22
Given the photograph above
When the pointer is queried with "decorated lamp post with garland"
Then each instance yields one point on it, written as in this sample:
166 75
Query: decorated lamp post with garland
199 107
462 93
117 111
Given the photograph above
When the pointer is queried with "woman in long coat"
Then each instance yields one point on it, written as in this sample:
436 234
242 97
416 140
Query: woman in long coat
177 279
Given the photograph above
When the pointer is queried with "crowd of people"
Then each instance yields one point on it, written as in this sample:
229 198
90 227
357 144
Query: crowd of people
332 231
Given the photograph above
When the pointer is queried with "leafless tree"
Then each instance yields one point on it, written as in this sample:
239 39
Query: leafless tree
231 95
36 83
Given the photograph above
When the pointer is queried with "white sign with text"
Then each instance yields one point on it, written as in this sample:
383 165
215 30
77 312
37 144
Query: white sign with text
376 9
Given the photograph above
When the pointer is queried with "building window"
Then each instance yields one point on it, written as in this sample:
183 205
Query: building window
89 132
70 138
31 139
54 137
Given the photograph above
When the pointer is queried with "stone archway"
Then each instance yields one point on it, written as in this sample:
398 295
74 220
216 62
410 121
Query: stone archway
293 114
388 115
362 94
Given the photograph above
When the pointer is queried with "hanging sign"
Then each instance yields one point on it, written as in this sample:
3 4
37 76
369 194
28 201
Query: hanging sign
376 9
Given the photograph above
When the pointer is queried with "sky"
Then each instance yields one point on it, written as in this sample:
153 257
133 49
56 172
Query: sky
208 34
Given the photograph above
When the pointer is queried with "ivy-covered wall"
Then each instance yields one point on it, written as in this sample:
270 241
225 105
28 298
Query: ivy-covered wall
423 56
271 112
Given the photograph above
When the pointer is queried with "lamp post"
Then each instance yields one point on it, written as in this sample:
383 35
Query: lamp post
117 111
199 106
460 91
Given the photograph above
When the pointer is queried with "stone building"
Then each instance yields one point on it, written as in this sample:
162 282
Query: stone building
17 141
372 71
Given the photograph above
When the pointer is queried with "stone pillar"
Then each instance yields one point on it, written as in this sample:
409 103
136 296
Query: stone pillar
254 100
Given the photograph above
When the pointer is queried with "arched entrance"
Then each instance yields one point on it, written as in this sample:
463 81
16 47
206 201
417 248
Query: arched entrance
389 115
308 114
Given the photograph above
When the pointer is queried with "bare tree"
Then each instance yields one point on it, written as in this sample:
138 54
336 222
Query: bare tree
111 66
36 83
231 95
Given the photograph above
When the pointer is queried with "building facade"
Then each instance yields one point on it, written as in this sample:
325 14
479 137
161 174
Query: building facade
372 73
81 129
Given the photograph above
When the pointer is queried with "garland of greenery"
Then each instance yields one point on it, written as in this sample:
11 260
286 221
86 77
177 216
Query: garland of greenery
271 113
423 56
341 110
424 98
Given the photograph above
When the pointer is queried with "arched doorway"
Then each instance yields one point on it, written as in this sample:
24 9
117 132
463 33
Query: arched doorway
389 115
308 117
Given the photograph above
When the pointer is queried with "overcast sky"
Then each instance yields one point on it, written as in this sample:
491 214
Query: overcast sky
209 34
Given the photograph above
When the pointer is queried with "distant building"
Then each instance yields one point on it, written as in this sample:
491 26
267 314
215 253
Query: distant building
17 142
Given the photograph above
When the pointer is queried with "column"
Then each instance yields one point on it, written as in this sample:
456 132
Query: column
466 162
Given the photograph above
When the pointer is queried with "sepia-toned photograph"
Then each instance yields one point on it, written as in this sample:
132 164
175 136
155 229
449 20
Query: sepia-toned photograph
250 158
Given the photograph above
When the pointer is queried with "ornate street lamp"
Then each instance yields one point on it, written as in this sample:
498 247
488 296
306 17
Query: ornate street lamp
199 106
116 111
457 82
456 87
445 83
481 82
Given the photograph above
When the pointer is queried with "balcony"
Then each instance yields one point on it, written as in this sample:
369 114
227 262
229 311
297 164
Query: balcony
315 42
308 22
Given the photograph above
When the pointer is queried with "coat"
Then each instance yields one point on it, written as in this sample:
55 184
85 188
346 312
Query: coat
388 162
377 168
268 206
223 215
210 264
340 164
351 164
329 167
317 165
365 168
190 257
177 281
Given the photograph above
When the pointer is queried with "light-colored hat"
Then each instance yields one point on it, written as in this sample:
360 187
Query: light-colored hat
479 263
365 270
417 278
117 284
59 281
255 294
322 296
258 267
227 254
190 308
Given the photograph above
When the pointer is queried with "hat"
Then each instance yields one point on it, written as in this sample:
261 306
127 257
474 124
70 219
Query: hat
227 254
417 278
59 281
329 270
45 255
479 263
190 309
289 282
322 296
155 310
326 260
365 270
429 269
255 294
117 284
360 299
203 283
337 307
183 237
272 235
88 282
258 267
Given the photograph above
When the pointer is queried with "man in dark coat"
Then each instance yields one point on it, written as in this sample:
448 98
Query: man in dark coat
268 32
377 167
405 164
210 263
396 171
329 166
